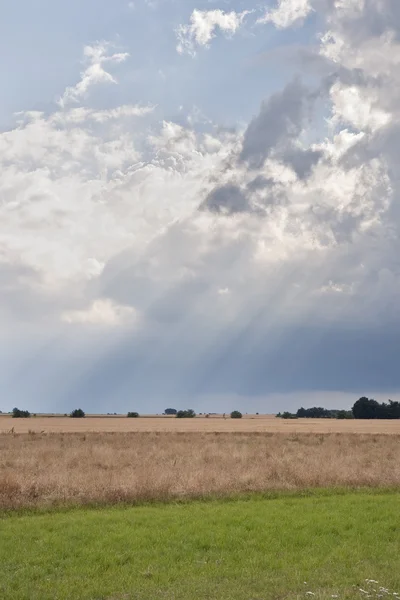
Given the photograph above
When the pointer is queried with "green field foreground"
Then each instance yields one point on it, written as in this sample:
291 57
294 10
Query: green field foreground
245 549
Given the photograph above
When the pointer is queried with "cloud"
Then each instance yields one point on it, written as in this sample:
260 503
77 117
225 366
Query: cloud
259 260
83 115
202 28
94 57
287 13
280 120
227 199
101 312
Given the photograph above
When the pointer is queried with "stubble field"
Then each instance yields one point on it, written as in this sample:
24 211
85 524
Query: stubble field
214 424
50 469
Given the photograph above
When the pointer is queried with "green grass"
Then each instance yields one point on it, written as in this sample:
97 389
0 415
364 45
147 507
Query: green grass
254 549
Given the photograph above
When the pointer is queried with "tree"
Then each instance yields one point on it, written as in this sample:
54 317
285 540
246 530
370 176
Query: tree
344 414
20 414
186 414
317 412
393 410
288 415
170 411
366 408
236 414
133 415
77 414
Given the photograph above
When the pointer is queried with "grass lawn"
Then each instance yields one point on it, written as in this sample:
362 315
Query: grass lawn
249 549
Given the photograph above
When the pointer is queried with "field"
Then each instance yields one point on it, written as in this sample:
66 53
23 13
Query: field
249 423
322 546
85 468
110 508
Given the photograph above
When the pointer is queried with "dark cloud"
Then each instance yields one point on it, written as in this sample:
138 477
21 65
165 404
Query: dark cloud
301 161
228 199
260 183
279 121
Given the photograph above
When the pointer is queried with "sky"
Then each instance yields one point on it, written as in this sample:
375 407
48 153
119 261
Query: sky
199 204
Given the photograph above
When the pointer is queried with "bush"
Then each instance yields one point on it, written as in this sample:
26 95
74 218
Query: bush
77 414
20 414
133 415
288 415
186 414
236 414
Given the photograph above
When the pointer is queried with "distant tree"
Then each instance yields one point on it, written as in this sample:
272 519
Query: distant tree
317 412
288 415
344 414
133 415
236 414
393 410
77 414
186 414
170 411
20 414
366 408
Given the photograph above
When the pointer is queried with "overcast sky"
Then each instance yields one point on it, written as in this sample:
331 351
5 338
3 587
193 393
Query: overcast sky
199 204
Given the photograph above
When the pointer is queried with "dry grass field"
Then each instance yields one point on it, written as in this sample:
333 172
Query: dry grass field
214 424
48 469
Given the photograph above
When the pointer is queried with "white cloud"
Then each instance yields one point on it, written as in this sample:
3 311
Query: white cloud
287 13
94 57
226 243
358 107
101 312
202 28
82 115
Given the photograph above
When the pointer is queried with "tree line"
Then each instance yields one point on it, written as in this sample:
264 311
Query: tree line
78 413
364 408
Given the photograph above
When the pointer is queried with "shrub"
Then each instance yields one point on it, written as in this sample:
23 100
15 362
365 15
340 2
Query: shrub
133 415
288 415
20 414
186 414
77 414
236 414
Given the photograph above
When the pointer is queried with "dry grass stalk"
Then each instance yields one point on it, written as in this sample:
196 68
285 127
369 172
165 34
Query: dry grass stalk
51 469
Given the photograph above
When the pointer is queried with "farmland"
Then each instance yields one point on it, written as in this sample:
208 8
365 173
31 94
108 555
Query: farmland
214 424
52 469
111 508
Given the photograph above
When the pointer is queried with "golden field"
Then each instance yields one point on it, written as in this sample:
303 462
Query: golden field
48 469
213 424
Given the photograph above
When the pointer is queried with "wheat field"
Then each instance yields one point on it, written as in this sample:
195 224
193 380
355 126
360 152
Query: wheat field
83 468
214 424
